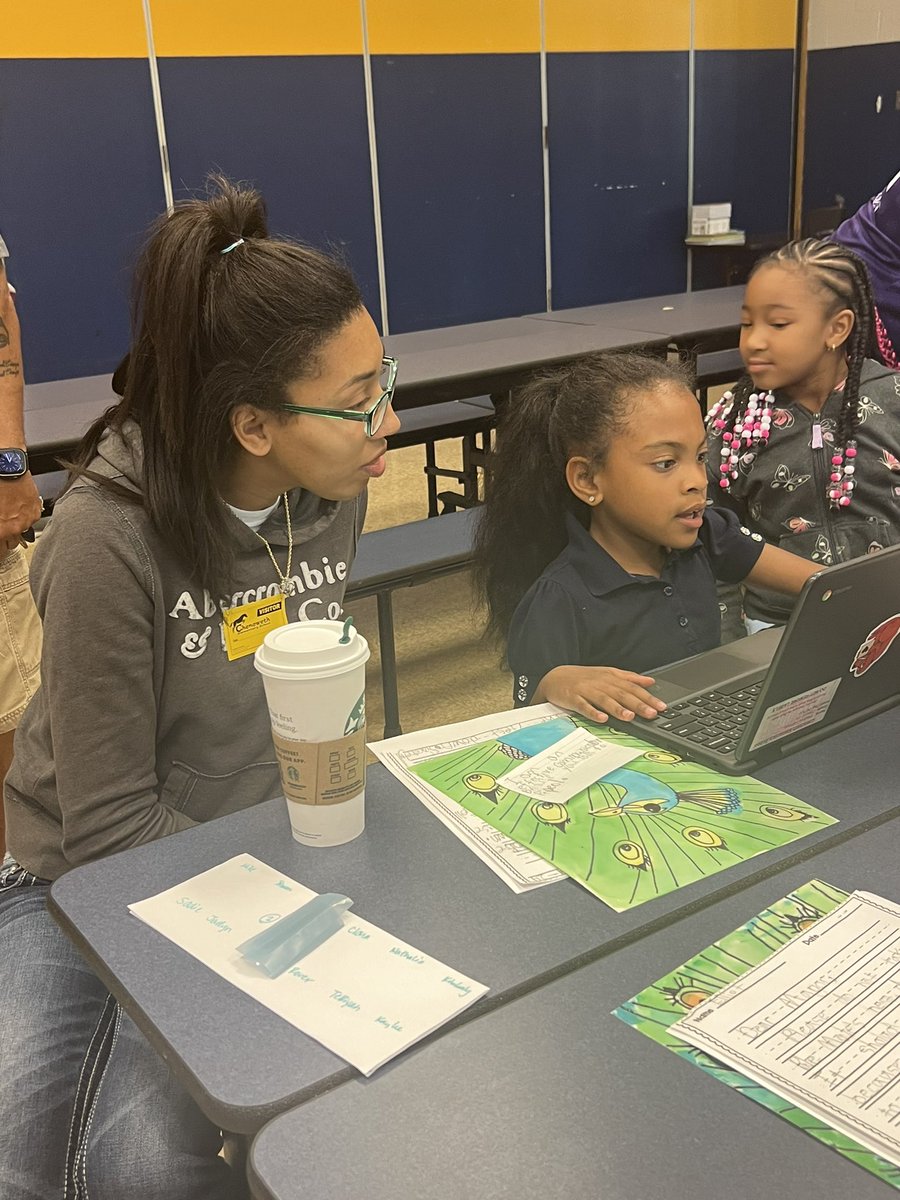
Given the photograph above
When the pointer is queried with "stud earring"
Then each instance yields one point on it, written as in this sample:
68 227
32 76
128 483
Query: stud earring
592 499
832 349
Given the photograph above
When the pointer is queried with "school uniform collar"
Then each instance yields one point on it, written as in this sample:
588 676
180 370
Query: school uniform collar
599 571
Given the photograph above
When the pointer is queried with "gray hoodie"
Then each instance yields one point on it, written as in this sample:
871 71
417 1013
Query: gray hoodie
142 726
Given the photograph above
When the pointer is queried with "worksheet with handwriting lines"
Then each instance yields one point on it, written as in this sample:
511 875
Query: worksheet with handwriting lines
818 1022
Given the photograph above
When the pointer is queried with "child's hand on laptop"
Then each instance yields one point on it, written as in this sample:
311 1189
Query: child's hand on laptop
599 692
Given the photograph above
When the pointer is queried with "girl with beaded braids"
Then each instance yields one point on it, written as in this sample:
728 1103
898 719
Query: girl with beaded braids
596 553
806 448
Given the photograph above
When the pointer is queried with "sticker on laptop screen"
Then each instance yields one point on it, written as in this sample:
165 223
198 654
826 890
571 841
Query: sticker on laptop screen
876 645
795 714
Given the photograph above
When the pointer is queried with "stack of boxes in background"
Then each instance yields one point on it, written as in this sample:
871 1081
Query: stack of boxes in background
707 219
711 225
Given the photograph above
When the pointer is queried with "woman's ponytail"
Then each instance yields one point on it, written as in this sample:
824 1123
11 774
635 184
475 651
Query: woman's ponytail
223 315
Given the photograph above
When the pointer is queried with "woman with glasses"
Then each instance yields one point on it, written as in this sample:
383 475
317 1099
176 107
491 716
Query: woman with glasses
230 480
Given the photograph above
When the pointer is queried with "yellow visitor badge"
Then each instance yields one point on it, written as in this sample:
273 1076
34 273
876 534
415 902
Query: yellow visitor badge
244 627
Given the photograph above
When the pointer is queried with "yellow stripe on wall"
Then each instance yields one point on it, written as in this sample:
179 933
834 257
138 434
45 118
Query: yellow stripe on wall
206 28
65 29
454 26
611 25
742 25
231 28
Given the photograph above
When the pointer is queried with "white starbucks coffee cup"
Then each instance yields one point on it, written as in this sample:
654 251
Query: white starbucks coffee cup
314 673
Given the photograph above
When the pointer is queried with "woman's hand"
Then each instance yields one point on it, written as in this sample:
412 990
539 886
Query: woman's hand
599 692
20 507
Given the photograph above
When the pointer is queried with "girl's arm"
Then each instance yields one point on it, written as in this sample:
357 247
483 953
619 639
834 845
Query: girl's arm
546 640
599 693
781 571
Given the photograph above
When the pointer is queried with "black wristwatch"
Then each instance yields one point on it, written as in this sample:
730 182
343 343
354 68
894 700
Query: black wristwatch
13 462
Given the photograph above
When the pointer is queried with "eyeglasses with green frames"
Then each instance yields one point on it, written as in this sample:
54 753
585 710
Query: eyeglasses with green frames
373 416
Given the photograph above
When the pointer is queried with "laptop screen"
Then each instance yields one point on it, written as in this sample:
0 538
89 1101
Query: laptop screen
839 658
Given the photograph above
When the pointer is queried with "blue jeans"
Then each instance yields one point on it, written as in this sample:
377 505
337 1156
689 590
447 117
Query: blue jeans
88 1109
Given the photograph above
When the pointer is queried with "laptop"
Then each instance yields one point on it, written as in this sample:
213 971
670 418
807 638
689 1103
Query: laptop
836 662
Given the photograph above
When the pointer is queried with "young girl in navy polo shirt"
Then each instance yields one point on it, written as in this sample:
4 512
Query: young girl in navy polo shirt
596 554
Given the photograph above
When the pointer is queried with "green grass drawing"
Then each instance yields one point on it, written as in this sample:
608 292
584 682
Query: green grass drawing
657 824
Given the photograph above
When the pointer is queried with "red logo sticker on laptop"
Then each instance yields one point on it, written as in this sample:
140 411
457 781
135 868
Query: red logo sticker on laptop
876 645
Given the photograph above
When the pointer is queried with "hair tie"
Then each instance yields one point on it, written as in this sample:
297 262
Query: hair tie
228 249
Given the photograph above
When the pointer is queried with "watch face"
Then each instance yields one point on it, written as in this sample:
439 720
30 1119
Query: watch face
12 462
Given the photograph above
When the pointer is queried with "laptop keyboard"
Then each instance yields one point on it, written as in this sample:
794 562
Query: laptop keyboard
714 719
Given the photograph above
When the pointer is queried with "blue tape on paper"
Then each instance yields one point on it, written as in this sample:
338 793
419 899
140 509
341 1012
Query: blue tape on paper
296 935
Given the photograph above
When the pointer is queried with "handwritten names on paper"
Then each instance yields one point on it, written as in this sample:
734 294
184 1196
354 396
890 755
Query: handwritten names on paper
364 994
567 767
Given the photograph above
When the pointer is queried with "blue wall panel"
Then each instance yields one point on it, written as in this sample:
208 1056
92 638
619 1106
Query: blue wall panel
742 138
618 174
296 129
851 149
460 164
79 180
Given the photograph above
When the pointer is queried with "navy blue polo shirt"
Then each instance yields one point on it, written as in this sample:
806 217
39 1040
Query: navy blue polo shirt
586 610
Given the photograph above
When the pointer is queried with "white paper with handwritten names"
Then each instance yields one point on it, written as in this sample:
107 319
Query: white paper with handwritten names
363 993
567 767
818 1022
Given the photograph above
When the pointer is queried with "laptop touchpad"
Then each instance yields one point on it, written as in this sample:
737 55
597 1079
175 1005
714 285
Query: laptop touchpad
699 675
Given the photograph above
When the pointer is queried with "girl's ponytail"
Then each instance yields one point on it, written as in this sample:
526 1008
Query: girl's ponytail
522 526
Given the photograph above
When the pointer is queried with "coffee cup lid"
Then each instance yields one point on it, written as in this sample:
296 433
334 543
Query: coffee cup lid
311 650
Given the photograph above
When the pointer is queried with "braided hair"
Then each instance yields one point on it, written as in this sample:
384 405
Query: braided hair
743 417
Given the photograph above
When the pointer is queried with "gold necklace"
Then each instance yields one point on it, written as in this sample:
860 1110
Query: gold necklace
287 585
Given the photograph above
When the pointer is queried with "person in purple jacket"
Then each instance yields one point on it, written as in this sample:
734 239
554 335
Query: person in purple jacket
873 233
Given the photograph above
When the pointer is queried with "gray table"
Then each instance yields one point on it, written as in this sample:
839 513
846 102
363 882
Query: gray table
436 365
695 321
495 356
454 363
58 414
552 1096
410 875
